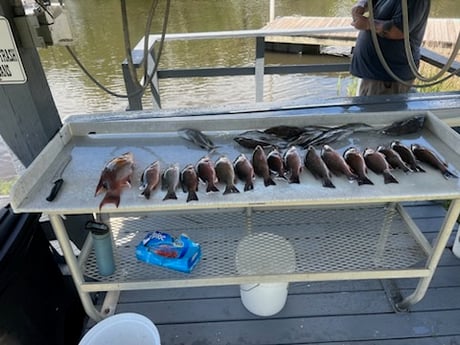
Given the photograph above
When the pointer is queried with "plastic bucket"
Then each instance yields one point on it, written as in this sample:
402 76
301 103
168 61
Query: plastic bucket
259 254
264 299
123 329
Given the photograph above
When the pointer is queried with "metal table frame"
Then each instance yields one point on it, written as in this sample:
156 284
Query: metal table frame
30 191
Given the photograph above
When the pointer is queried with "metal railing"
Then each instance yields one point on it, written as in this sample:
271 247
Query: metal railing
258 70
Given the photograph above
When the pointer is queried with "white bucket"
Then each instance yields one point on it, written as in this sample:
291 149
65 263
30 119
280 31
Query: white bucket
123 329
264 299
259 254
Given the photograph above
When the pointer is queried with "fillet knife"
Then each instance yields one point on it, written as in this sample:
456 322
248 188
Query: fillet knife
58 180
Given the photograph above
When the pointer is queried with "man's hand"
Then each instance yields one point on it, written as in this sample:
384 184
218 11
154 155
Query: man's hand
360 22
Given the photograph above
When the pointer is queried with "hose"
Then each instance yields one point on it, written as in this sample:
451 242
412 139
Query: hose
407 46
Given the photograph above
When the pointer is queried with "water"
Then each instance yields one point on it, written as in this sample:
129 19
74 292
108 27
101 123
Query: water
99 44
98 35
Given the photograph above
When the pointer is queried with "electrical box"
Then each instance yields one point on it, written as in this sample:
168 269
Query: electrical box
44 25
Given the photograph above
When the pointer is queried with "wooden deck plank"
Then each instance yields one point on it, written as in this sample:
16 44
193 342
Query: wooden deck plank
297 305
440 32
315 329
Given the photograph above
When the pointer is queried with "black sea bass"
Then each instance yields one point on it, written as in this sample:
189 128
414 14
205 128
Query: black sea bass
355 160
226 174
116 175
244 170
377 163
150 179
423 154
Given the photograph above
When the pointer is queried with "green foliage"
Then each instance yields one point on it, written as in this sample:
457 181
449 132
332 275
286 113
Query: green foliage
5 185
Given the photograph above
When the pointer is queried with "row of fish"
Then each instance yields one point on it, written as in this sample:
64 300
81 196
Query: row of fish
286 136
117 174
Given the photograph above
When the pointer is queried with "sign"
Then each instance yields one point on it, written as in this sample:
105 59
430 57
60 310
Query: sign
11 69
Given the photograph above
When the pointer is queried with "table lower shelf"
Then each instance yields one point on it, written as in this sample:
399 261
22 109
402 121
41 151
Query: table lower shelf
327 243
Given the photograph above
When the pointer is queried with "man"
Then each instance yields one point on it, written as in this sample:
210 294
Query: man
365 62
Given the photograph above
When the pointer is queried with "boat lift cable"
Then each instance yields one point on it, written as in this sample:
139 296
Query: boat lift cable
126 40
407 46
143 87
160 48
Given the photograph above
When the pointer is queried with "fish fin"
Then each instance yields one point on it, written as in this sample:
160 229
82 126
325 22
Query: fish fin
111 197
353 177
126 184
192 196
283 176
211 188
328 183
418 168
231 189
268 181
170 195
389 178
248 186
364 180
447 174
407 169
212 149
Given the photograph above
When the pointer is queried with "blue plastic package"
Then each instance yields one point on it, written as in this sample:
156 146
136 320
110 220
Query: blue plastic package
162 249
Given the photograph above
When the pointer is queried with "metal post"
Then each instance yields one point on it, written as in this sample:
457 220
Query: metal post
154 85
272 10
438 248
133 90
74 267
259 72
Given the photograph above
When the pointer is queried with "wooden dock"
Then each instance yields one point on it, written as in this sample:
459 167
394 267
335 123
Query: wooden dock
440 32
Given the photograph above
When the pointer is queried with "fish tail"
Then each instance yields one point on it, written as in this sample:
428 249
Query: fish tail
111 197
364 180
248 186
294 179
389 178
146 193
231 189
268 181
211 188
447 174
170 195
328 183
192 196
100 188
418 168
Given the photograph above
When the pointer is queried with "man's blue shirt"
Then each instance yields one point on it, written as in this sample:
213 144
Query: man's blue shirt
365 63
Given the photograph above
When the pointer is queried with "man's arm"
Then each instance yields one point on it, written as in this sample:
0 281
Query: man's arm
384 28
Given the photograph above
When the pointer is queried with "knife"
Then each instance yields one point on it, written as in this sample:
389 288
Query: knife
58 180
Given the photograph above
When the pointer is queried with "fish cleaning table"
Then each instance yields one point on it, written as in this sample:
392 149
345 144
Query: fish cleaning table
342 233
